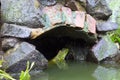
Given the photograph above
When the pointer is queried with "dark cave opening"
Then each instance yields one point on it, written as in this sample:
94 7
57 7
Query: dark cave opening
50 42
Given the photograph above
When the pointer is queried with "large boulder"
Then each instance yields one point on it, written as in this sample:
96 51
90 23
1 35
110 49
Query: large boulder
16 58
103 49
24 12
98 8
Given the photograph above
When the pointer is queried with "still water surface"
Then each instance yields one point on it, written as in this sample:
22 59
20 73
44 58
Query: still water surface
80 71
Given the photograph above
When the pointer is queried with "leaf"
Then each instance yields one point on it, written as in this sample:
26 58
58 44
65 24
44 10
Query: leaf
5 75
25 74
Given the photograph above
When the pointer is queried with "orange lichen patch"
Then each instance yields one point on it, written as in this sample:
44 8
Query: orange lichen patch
36 32
36 3
91 23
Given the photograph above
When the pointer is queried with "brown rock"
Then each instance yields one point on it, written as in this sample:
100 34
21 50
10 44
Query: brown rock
74 5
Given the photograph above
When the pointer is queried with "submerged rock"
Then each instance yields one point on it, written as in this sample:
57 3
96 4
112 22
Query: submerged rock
16 58
98 8
104 48
106 26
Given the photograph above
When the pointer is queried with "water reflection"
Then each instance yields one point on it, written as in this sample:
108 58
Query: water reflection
80 71
102 73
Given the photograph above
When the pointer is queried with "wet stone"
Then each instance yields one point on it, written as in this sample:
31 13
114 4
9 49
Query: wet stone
15 59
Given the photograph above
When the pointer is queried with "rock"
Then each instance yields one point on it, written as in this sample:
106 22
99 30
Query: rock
67 14
52 15
18 31
8 43
48 2
104 48
106 26
102 73
83 3
79 19
115 7
62 16
98 8
24 12
91 24
74 5
15 59
77 51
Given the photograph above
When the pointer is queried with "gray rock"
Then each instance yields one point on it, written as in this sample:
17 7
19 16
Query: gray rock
8 43
107 26
104 48
98 8
15 31
24 12
15 59
48 2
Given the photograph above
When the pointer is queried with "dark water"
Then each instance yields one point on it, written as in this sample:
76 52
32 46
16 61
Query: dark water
80 71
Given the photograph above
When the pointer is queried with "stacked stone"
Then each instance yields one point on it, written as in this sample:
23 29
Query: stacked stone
29 19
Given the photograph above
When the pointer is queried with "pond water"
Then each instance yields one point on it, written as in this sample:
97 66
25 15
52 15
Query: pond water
80 71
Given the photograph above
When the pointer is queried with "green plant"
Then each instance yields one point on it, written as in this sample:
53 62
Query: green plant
5 75
25 74
115 36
